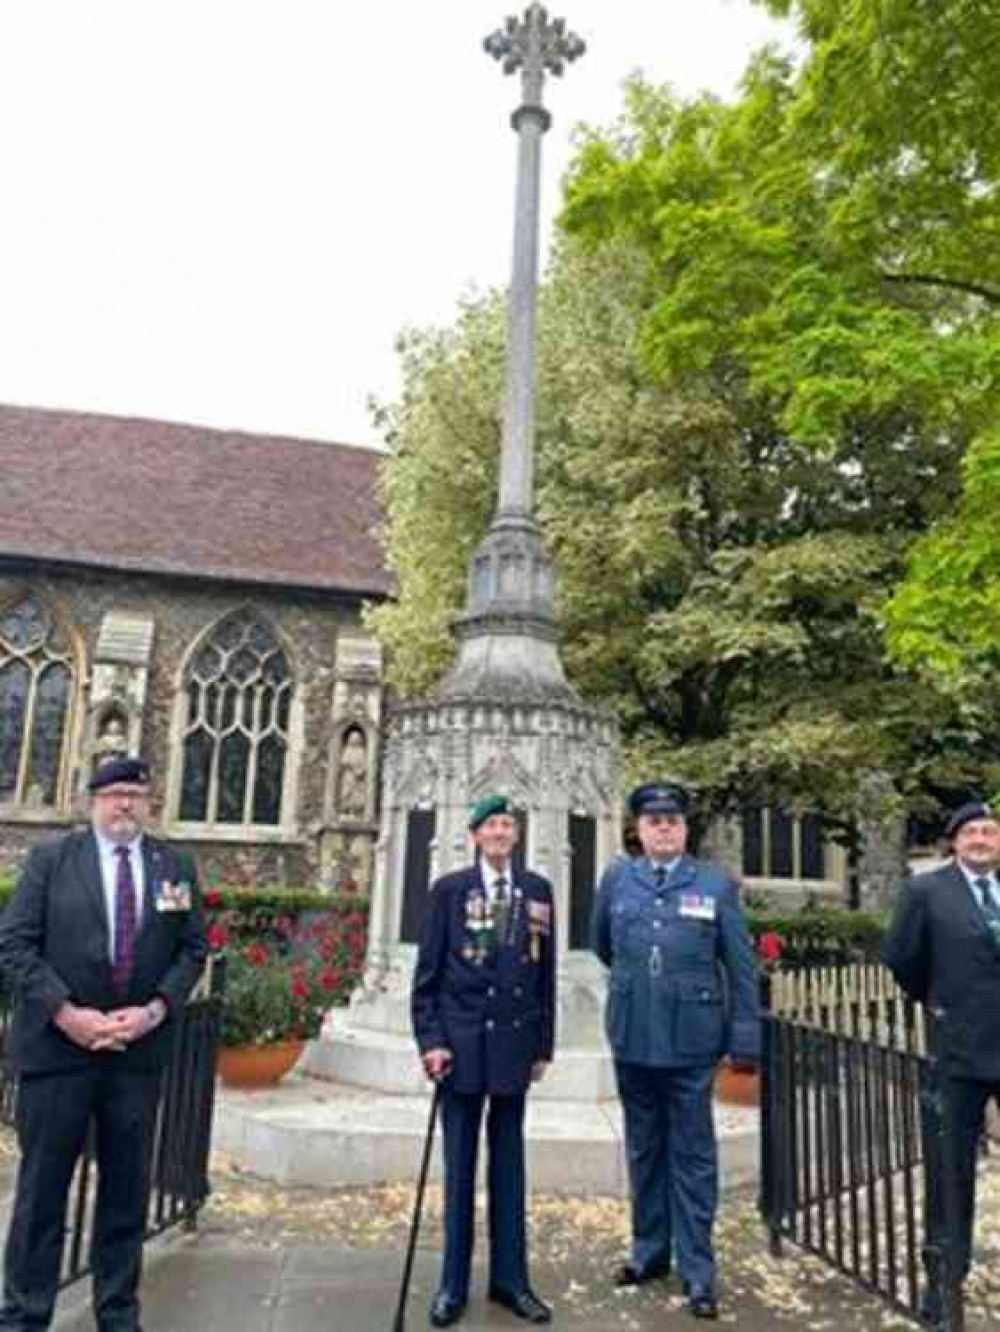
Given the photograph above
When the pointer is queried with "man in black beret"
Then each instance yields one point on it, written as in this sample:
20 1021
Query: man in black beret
483 1017
101 944
943 947
682 993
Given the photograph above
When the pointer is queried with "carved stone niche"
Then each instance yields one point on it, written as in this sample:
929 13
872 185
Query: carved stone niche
350 826
117 701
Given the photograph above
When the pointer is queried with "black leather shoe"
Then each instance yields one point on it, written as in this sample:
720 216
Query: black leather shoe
524 1305
932 1307
630 1275
445 1310
703 1305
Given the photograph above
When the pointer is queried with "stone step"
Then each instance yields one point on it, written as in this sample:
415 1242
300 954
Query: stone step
329 1134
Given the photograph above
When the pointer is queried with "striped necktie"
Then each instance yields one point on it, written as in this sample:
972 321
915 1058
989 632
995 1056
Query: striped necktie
988 905
501 909
125 921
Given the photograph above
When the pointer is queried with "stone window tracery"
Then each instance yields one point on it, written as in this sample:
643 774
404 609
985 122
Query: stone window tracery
36 691
238 695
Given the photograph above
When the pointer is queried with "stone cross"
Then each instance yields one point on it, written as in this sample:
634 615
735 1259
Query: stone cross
533 44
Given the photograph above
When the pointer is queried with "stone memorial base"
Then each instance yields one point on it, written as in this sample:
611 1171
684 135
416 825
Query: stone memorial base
319 1133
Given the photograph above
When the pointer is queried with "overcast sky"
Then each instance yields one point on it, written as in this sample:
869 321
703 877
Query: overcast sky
224 211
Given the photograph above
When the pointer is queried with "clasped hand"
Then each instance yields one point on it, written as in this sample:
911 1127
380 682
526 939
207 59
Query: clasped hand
93 1030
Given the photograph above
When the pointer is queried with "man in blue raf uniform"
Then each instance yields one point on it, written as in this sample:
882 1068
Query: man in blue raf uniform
682 992
483 1016
943 947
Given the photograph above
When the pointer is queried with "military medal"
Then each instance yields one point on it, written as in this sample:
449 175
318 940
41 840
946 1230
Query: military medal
479 923
539 923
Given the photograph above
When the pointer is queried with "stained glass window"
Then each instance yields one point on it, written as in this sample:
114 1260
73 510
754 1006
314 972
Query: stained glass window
238 703
36 690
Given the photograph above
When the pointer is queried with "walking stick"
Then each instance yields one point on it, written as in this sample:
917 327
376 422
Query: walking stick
418 1205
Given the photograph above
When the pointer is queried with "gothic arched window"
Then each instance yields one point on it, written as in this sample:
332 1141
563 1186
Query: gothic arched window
36 689
238 696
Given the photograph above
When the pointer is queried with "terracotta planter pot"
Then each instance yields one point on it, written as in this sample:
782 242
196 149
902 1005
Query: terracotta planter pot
257 1066
736 1087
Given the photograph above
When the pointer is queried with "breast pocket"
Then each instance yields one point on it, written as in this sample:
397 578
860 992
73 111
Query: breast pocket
698 1019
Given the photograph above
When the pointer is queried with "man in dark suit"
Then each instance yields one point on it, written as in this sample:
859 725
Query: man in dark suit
483 1016
101 945
682 993
943 947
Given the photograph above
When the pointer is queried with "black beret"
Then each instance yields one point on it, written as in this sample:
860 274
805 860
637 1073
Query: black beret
486 808
976 809
117 770
658 798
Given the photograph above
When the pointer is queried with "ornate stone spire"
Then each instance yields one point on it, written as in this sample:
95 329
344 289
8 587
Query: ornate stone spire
507 637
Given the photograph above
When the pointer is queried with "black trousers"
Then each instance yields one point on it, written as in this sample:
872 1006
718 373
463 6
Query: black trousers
952 1160
54 1112
461 1117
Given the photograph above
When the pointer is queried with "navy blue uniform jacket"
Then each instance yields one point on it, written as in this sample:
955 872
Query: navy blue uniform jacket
683 987
55 946
943 954
497 1016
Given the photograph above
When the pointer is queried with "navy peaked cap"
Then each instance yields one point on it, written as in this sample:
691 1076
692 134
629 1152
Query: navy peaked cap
658 798
131 770
976 809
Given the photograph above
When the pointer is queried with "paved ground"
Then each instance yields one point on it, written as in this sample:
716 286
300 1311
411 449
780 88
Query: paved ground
274 1260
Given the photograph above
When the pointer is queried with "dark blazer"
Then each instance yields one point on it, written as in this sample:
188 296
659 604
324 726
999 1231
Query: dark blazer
683 983
54 946
497 1015
942 953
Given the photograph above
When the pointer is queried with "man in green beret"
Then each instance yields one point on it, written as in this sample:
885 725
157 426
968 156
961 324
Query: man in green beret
483 1016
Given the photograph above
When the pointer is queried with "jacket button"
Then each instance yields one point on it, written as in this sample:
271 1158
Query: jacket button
489 1024
517 1022
491 992
656 924
518 991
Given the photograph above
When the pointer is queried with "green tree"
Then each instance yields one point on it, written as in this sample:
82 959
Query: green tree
719 583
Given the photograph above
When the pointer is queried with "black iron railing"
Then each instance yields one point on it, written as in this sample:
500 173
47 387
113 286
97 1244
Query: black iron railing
851 1131
182 1137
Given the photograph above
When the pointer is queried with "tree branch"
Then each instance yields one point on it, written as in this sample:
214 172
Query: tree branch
950 284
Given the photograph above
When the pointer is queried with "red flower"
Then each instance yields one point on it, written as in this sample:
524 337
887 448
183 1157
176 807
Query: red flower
300 988
770 947
356 941
329 979
213 899
256 955
218 936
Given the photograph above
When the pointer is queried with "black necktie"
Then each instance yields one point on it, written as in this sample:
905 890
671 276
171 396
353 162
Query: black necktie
660 876
501 909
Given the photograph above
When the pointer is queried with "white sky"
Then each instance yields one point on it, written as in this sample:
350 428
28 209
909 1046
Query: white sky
224 211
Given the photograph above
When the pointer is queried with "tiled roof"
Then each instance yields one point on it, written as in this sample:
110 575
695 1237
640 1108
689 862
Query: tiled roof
154 497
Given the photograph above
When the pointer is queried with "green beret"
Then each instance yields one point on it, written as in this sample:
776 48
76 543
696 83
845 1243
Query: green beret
486 808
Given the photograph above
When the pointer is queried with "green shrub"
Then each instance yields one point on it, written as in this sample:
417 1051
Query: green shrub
823 935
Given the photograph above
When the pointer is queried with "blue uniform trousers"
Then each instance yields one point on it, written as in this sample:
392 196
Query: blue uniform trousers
461 1116
673 1167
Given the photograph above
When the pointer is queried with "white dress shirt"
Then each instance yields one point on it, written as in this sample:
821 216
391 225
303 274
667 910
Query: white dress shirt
109 876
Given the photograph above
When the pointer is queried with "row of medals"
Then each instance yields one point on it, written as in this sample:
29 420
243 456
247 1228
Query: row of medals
481 925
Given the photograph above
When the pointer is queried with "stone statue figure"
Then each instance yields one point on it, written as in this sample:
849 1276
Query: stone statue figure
352 777
112 742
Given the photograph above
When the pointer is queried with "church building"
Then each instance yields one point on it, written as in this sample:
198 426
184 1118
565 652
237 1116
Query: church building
196 596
